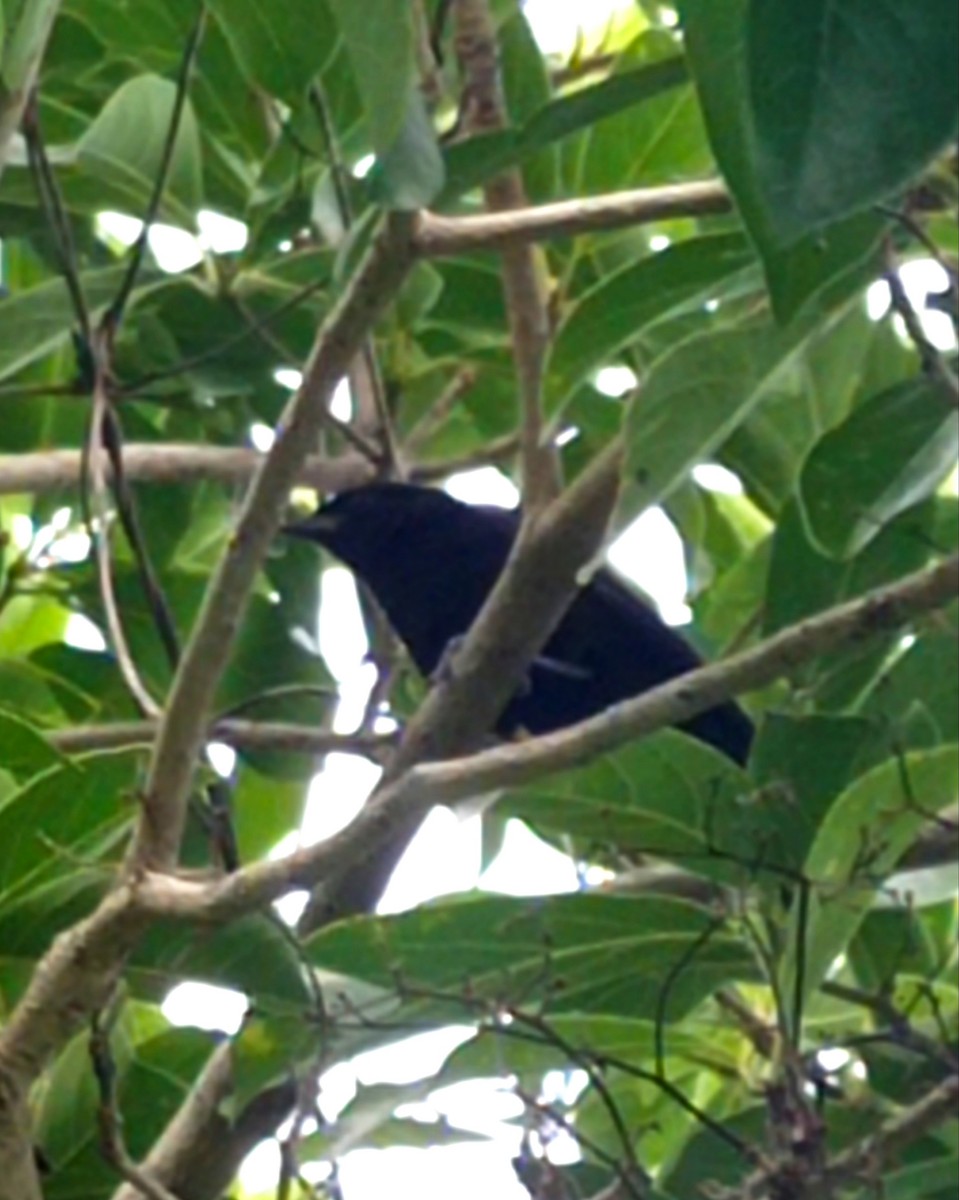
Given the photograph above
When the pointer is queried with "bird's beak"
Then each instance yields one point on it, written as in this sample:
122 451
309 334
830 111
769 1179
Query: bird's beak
316 528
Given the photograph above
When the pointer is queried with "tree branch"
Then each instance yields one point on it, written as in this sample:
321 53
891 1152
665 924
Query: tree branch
899 1131
157 839
527 602
233 466
200 1151
244 735
484 111
439 237
51 470
409 797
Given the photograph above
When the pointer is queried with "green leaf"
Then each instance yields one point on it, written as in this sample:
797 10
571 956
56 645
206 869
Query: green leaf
470 162
669 796
923 683
410 172
379 37
70 814
155 1068
267 1050
36 322
858 845
938 1177
695 396
125 145
281 49
802 581
816 268
586 953
891 452
24 752
254 954
614 312
836 129
622 1038
802 764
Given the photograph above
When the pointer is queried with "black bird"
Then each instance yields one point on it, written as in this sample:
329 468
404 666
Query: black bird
431 561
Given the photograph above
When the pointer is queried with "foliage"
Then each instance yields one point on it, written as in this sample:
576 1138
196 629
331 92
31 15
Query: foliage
778 918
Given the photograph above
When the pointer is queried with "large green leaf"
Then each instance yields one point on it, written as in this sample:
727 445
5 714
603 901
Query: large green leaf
860 841
808 270
614 312
155 1067
126 144
635 956
470 162
379 36
36 322
23 750
282 49
668 796
410 172
836 129
68 815
695 397
891 452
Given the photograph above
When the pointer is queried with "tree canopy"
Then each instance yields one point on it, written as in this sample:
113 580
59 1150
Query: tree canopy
412 244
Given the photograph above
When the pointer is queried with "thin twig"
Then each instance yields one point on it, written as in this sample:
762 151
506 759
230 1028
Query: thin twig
114 314
484 111
110 1123
931 359
99 531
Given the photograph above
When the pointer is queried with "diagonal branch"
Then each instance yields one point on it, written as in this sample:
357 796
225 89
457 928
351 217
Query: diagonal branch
412 794
170 775
527 602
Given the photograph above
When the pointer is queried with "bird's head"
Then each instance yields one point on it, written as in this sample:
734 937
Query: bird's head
366 526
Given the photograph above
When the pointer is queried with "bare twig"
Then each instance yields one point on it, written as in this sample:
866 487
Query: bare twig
438 236
932 361
165 462
484 111
112 1143
244 735
100 534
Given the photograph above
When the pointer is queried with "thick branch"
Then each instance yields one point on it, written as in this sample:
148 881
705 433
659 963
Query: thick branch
186 715
438 236
73 979
161 462
50 470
